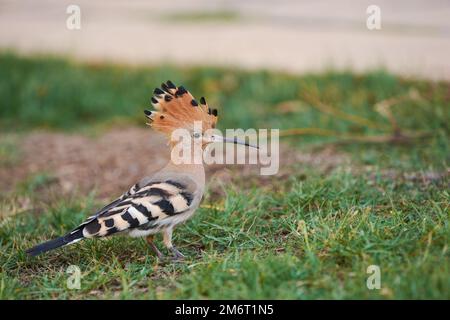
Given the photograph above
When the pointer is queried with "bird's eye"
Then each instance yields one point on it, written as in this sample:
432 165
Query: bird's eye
196 135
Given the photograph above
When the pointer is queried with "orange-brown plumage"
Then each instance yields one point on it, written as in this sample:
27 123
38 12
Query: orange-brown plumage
167 198
177 108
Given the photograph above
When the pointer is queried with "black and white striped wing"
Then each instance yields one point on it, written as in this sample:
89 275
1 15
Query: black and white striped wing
142 207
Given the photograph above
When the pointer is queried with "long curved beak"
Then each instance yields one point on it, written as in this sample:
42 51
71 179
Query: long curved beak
217 138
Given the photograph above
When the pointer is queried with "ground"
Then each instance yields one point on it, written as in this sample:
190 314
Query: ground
366 183
293 36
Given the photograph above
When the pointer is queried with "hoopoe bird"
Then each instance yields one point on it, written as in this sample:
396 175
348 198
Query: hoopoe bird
159 203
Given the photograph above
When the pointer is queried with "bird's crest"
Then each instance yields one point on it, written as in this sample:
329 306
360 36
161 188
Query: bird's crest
176 108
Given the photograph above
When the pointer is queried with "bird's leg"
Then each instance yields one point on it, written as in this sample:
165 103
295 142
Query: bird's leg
153 246
167 239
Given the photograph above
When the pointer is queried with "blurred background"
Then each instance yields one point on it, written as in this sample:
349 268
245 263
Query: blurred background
292 36
363 118
312 69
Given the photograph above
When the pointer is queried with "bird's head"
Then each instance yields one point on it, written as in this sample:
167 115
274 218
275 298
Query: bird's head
178 113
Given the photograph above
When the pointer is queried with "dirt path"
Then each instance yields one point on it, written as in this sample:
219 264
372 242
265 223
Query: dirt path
293 36
115 160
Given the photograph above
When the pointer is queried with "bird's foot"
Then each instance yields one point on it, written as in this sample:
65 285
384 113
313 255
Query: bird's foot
155 249
177 255
159 254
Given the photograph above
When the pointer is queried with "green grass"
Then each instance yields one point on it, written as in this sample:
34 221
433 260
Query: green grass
313 239
9 153
56 94
53 93
309 236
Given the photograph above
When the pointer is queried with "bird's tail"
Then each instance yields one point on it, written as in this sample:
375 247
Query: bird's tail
69 238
